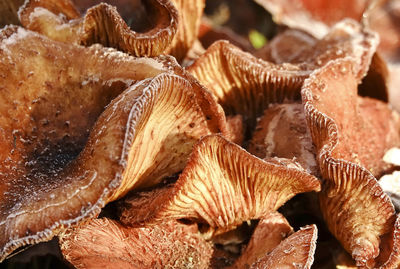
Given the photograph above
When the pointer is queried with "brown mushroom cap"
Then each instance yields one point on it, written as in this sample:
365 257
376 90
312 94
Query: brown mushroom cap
246 85
222 186
347 131
73 120
189 14
296 251
269 233
312 17
99 242
282 132
61 21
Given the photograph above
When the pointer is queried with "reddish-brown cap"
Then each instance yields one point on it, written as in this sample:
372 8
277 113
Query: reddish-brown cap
80 127
296 251
137 34
269 233
104 243
351 134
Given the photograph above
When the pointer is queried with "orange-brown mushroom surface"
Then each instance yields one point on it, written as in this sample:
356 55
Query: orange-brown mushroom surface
269 233
140 29
73 122
246 85
282 132
317 16
222 186
351 134
104 243
296 251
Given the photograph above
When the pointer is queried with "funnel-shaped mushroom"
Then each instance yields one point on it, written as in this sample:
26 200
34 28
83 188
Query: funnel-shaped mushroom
351 134
222 186
146 35
99 242
246 85
82 126
269 233
296 251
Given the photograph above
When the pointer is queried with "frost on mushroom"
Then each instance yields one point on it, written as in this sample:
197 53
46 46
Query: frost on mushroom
142 29
104 242
222 186
80 127
351 134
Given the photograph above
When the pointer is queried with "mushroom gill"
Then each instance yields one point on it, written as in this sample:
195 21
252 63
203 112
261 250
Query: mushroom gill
99 242
246 85
222 186
73 121
351 134
81 22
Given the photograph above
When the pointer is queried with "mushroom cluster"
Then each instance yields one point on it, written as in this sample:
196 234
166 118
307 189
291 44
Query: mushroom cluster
137 145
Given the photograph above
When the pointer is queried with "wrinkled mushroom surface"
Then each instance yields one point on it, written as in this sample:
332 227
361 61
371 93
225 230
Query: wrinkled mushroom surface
73 120
269 233
222 186
296 251
102 242
246 85
282 132
81 23
354 206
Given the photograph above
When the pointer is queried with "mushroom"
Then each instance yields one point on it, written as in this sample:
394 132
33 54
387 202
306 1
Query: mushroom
296 251
269 233
77 130
141 29
282 132
140 35
221 187
246 85
98 242
353 204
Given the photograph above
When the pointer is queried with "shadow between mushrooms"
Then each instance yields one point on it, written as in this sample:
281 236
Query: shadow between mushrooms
167 245
351 134
222 186
80 127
